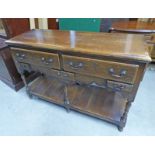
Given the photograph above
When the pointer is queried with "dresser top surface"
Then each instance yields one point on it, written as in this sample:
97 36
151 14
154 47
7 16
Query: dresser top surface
131 46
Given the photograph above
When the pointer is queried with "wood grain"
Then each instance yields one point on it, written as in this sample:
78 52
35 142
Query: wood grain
94 73
100 68
35 57
129 46
49 89
97 101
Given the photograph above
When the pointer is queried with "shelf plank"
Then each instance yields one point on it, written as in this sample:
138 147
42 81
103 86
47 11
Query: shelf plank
49 89
98 102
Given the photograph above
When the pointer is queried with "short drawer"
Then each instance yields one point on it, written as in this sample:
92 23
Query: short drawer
49 60
54 73
89 80
99 82
117 86
100 68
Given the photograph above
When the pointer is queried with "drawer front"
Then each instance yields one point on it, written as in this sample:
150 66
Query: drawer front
49 60
117 86
89 80
104 69
99 82
54 73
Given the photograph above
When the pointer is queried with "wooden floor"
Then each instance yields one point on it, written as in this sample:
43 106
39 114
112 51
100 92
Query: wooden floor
93 101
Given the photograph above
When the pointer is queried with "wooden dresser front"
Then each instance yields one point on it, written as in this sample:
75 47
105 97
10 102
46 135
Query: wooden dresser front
94 73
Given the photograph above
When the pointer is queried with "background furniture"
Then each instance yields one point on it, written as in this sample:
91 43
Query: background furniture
53 23
138 27
94 73
8 71
80 24
106 23
15 26
133 27
2 30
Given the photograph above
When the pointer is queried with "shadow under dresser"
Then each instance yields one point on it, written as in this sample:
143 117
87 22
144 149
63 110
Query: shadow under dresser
97 74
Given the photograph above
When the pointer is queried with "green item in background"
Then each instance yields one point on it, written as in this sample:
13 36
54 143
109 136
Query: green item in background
80 24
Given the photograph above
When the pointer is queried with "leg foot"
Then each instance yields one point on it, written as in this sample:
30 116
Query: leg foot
30 95
120 128
26 85
68 110
124 117
28 92
66 100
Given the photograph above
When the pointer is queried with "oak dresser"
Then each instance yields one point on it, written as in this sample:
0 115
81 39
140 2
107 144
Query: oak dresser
97 74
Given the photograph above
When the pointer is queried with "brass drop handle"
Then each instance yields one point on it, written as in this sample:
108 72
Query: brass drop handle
76 66
112 73
43 59
23 56
64 75
20 56
50 60
118 88
17 54
46 61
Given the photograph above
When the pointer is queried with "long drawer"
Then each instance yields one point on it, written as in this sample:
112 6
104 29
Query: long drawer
49 60
100 68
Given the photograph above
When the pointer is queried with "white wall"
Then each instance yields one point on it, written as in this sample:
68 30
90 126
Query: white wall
43 23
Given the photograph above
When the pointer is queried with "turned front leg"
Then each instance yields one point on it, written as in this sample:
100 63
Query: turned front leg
26 85
124 117
66 100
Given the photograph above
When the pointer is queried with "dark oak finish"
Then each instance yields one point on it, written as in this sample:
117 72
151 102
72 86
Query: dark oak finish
48 89
94 73
34 57
100 68
98 102
128 46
